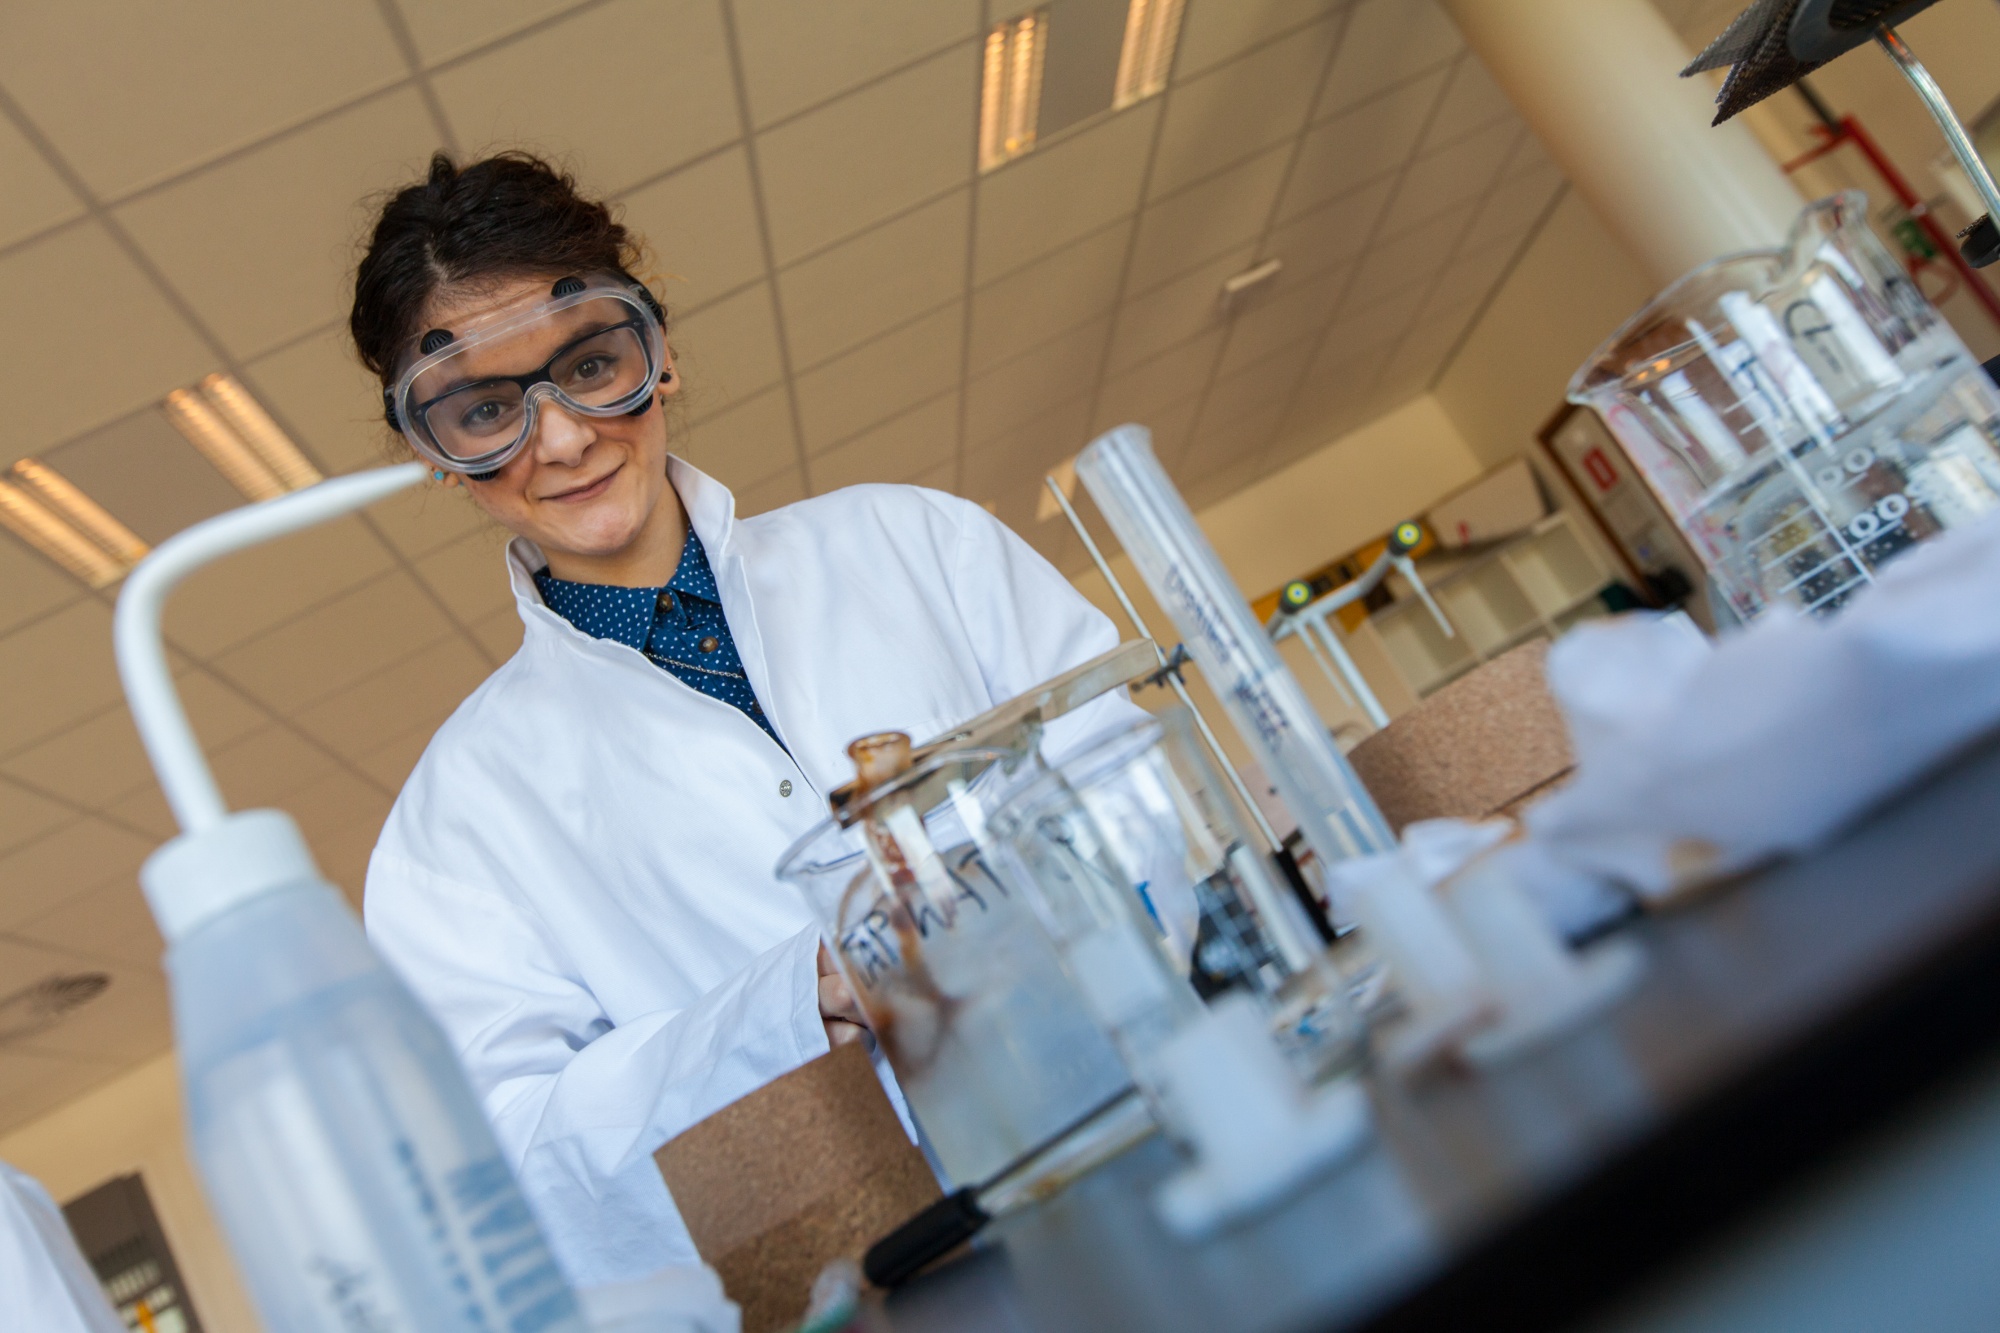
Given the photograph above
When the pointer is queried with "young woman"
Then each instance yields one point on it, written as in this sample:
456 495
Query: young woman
577 876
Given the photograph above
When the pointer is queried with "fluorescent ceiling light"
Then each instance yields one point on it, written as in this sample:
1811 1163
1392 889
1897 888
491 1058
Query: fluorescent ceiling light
49 513
1152 29
1010 90
220 418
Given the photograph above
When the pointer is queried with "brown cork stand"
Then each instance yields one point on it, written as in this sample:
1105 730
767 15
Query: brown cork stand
1486 744
812 1167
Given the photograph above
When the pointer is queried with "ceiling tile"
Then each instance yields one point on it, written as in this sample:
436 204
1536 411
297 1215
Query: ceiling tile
25 816
573 91
1036 302
423 518
869 155
1411 256
1377 329
131 1021
1361 144
391 764
916 442
1224 458
260 245
470 575
144 810
1474 273
94 762
1063 190
143 471
334 645
1330 234
1473 102
728 352
1518 204
132 93
1171 314
1173 376
1334 396
699 226
34 585
266 766
1214 30
1007 469
882 378
326 402
1199 223
1054 373
418 693
1172 428
64 863
32 1085
499 634
247 593
220 712
774 492
338 802
69 279
1254 392
1287 319
58 671
343 859
445 28
35 198
795 56
1388 41
1244 106
944 478
1455 177
880 279
110 921
747 443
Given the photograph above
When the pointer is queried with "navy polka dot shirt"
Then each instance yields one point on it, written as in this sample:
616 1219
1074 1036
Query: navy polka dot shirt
680 628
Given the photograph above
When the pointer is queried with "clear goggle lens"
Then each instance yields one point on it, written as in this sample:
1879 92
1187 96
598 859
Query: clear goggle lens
474 403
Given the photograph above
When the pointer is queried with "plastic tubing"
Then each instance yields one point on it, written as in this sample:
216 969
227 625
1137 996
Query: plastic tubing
142 659
1263 699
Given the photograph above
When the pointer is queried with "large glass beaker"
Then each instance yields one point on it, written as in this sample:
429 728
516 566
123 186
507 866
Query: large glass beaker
994 1046
1804 414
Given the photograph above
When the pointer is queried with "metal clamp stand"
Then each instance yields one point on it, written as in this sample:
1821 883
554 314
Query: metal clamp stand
1298 614
1170 670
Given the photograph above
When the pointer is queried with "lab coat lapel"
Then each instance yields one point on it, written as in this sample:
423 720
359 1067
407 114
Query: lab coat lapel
711 511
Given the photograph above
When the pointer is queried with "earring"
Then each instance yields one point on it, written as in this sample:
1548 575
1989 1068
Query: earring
437 474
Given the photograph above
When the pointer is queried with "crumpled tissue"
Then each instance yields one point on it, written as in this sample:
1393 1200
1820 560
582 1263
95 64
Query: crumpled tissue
1698 761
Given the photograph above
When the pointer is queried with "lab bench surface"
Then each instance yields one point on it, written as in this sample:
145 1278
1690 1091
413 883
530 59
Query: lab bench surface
1777 1020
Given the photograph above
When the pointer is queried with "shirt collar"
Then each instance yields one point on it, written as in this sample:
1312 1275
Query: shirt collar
626 615
711 512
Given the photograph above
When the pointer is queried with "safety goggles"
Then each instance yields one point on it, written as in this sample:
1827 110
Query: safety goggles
469 399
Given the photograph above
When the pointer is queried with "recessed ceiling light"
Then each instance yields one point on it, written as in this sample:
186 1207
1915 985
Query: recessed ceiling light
48 512
1010 90
1152 30
220 418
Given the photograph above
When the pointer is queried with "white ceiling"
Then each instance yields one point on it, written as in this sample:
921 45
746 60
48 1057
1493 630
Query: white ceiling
851 300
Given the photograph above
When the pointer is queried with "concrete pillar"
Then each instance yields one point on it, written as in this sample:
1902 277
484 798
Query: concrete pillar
1599 82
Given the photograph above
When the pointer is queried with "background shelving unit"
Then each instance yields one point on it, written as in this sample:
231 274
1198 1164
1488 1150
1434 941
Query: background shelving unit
1536 585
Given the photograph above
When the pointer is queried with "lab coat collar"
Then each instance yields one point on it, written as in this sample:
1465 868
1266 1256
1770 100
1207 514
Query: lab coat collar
711 511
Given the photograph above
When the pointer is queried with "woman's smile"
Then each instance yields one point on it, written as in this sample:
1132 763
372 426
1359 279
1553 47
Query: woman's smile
588 491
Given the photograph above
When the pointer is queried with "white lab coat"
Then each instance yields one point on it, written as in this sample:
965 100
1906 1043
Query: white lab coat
577 877
45 1282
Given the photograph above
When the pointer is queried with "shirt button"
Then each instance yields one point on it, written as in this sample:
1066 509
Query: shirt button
664 603
785 787
709 644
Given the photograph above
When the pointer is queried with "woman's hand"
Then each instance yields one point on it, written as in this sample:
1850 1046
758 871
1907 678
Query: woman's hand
839 1011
